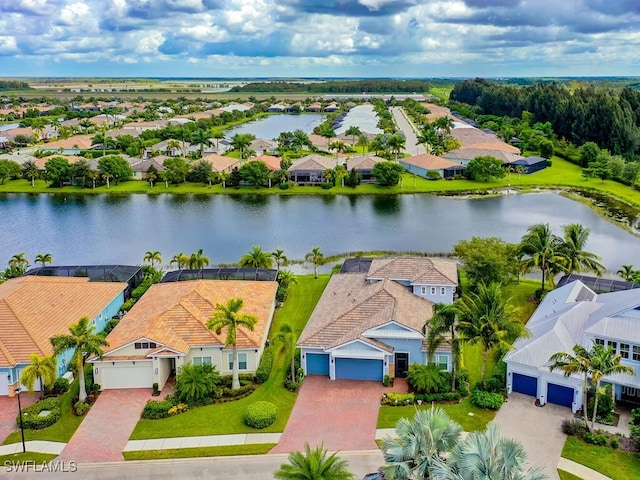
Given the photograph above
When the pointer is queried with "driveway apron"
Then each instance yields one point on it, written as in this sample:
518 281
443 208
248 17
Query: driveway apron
340 414
103 434
9 412
537 428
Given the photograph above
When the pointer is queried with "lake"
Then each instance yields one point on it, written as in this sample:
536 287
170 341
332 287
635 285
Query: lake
120 229
272 126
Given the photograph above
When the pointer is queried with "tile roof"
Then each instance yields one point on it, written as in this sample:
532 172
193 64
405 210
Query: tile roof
272 162
175 314
469 153
34 308
220 163
77 141
313 162
430 162
350 305
363 162
417 270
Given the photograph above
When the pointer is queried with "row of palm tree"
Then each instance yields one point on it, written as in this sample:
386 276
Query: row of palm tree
628 274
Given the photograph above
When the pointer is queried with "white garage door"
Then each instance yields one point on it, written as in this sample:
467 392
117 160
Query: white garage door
4 384
127 376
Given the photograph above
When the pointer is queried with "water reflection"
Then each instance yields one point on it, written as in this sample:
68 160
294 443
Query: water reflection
386 205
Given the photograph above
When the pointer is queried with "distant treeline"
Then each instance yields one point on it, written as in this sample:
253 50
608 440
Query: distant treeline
13 85
608 117
338 86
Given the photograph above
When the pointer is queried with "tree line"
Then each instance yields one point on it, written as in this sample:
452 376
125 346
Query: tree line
338 86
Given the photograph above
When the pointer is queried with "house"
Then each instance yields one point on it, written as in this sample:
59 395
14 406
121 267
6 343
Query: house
4 143
220 163
422 164
262 146
141 169
363 164
576 315
465 154
277 108
167 329
308 169
34 308
530 164
368 325
332 107
273 163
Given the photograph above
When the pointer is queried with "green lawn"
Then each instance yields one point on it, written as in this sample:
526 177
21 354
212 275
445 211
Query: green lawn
460 412
61 431
226 418
608 461
519 293
38 458
255 449
568 476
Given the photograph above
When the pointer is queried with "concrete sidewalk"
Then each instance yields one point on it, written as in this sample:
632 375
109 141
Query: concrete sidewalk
579 470
40 446
203 441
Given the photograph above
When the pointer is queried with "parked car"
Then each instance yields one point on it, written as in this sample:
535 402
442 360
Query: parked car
374 476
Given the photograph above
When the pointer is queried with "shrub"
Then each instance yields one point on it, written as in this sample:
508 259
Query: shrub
635 416
433 175
614 443
126 306
489 400
396 398
60 386
264 369
284 186
428 379
281 293
31 418
595 438
196 384
605 406
111 324
327 185
238 392
574 427
462 382
387 381
156 409
81 408
494 385
178 409
290 385
260 414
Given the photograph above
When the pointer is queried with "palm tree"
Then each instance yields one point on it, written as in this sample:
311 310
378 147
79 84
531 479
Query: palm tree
84 342
152 257
578 260
442 327
19 260
627 273
42 370
241 141
202 138
280 258
286 278
180 260
485 455
354 131
314 464
198 260
43 259
196 382
485 319
316 257
396 143
418 443
227 316
172 146
541 248
285 343
256 258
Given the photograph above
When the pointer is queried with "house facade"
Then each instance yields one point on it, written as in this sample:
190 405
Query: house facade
309 170
421 165
575 315
166 329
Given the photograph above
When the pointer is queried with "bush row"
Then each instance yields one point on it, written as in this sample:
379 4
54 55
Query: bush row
264 369
578 428
31 418
399 399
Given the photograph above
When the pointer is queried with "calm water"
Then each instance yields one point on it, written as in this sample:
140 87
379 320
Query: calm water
272 126
120 229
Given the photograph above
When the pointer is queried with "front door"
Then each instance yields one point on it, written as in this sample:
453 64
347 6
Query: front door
402 364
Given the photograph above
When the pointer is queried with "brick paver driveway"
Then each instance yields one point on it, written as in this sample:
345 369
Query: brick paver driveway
104 433
341 414
9 412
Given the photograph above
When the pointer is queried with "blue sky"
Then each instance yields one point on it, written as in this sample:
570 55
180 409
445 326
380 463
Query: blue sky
363 38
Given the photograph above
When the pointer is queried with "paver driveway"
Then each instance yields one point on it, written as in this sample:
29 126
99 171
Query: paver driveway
9 412
538 429
103 435
341 414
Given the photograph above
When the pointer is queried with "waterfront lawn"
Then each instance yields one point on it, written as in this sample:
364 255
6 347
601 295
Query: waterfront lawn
226 418
470 417
251 449
61 431
613 463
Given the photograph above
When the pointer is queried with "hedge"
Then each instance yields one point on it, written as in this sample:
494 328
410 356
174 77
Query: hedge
264 369
487 399
31 418
154 410
260 414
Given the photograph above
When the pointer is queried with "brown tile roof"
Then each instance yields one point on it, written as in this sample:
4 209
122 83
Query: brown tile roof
41 162
350 305
469 153
221 163
430 162
313 162
417 270
33 309
175 314
437 111
363 162
272 162
77 141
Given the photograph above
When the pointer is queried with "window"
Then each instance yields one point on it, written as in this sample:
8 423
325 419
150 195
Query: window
599 341
202 360
636 353
624 350
423 290
442 361
612 344
242 361
433 290
144 345
443 291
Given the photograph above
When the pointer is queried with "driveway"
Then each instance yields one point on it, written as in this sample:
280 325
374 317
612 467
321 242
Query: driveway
537 428
9 412
103 434
341 414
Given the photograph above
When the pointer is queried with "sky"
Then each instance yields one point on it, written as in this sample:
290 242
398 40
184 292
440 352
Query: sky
319 38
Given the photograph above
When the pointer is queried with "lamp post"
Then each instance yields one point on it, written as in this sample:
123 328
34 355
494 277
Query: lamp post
18 392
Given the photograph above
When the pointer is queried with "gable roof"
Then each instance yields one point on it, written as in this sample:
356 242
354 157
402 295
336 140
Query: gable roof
35 308
416 270
350 305
175 314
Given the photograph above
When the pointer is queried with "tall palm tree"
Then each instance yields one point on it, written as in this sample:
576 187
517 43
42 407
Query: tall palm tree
280 258
418 442
180 260
84 342
19 260
354 131
44 259
285 344
172 146
579 260
542 249
42 370
626 272
442 327
316 257
152 257
286 278
240 141
228 316
314 464
202 138
488 456
256 258
485 319
396 143
198 260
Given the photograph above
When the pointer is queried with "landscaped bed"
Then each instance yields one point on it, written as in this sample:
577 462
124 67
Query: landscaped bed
256 449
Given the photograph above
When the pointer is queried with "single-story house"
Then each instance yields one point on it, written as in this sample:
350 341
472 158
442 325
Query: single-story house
576 315
141 169
368 325
4 142
277 108
34 308
363 164
262 146
308 170
167 329
530 164
422 164
221 163
272 162
465 154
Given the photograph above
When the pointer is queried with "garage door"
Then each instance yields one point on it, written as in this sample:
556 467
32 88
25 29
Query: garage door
358 369
317 364
127 377
560 395
525 384
4 384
